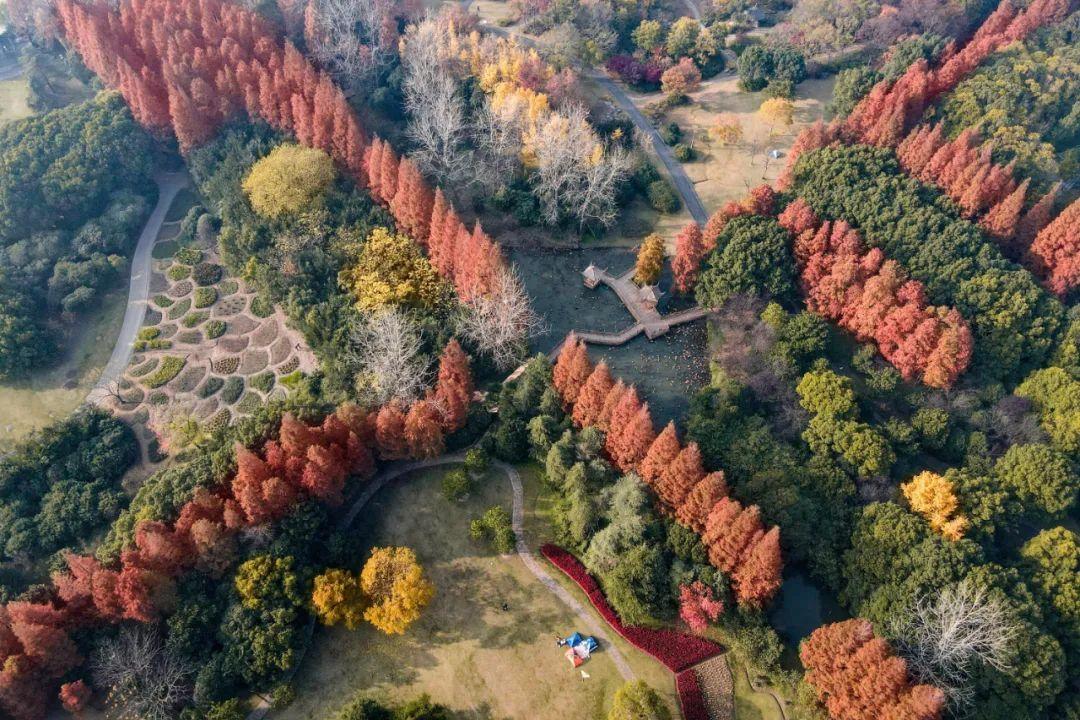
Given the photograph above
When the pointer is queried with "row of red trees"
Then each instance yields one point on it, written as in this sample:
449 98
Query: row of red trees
872 297
857 676
188 66
737 540
891 109
303 461
470 259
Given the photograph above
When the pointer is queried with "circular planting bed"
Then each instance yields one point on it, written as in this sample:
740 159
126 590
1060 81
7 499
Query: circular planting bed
179 310
229 306
180 289
266 334
189 379
254 361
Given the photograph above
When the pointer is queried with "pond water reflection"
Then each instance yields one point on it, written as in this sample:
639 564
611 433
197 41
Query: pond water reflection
801 607
667 370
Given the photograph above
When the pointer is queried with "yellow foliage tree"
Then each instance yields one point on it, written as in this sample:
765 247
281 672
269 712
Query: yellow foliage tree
396 589
288 180
337 598
777 111
650 260
390 270
934 497
727 130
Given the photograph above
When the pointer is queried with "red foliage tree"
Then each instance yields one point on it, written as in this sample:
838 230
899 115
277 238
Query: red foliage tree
689 252
663 451
858 677
454 386
758 577
729 530
1002 220
633 441
694 511
1055 253
75 696
390 432
590 400
813 137
622 414
680 477
423 430
1034 220
572 369
698 605
614 396
871 297
324 473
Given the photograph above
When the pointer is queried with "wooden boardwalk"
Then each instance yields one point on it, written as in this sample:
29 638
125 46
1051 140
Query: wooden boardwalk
648 319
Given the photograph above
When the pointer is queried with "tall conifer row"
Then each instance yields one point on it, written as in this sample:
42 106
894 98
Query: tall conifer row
189 66
872 297
737 541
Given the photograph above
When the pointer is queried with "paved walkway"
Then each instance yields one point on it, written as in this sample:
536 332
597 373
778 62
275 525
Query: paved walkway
169 184
396 470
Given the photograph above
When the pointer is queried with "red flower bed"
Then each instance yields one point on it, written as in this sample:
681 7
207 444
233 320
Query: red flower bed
691 701
675 650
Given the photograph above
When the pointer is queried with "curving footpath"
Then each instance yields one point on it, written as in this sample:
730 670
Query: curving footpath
392 472
169 184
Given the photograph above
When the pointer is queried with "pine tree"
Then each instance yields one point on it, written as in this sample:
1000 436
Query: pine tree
680 477
662 453
590 401
759 575
689 252
390 432
423 430
695 509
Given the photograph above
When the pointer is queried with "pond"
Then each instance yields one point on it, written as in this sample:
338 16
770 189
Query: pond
802 607
667 371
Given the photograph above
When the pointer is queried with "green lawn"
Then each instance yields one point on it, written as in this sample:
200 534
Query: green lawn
184 201
750 704
52 394
467 651
13 97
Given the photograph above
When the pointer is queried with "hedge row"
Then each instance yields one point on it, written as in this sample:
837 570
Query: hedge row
677 651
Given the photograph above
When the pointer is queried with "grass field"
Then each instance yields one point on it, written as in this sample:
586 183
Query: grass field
466 652
13 100
52 395
749 703
726 173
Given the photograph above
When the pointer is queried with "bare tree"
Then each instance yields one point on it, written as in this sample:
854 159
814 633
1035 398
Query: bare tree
945 636
351 38
575 174
385 350
145 680
500 322
497 138
437 120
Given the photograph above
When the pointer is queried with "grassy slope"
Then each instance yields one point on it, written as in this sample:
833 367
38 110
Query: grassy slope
466 651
